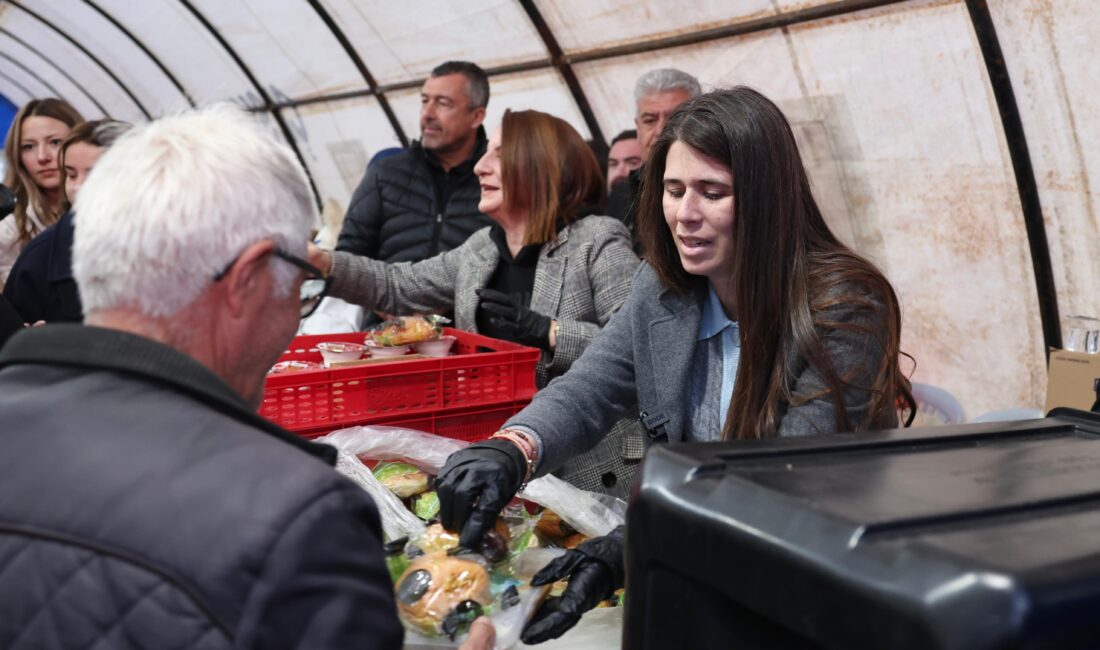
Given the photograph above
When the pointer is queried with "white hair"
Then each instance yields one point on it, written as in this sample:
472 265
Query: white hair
172 203
664 80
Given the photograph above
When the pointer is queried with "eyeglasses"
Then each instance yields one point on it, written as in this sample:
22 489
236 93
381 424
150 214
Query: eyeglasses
314 286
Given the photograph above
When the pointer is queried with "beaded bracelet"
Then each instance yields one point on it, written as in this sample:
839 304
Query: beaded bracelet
526 446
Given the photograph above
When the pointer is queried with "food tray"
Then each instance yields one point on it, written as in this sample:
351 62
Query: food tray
467 395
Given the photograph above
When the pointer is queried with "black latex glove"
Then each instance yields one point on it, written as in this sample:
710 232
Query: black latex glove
595 571
475 485
510 315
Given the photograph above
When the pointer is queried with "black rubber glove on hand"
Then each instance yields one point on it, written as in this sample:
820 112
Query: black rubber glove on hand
595 571
475 485
522 325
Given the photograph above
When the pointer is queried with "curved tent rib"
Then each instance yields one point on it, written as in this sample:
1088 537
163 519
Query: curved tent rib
362 67
558 60
18 86
141 46
1016 140
59 69
86 52
777 21
31 73
268 105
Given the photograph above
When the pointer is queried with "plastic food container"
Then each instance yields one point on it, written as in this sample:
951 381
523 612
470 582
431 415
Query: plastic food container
437 348
386 351
338 351
293 365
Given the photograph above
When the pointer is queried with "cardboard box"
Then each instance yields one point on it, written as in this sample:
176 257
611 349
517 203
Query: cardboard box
1071 379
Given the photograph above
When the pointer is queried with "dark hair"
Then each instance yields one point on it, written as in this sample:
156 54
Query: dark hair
17 178
629 134
477 83
547 170
98 133
791 273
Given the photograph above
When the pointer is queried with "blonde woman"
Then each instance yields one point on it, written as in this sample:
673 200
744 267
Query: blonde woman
31 151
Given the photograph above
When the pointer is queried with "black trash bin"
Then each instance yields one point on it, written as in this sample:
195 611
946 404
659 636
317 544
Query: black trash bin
974 536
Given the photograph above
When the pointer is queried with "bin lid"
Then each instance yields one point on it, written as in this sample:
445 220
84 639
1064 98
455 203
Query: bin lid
962 536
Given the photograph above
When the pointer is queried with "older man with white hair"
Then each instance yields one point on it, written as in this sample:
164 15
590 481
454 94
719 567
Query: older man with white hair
145 504
657 94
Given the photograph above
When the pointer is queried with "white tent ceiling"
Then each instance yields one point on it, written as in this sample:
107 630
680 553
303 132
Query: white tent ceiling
900 108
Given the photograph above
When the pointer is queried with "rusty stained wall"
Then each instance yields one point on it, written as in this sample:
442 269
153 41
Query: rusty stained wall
927 170
1052 49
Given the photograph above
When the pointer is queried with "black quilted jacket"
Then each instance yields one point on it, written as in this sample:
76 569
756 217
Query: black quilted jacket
143 504
397 213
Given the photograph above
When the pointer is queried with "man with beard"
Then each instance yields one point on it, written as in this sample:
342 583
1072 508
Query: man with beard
423 201
657 94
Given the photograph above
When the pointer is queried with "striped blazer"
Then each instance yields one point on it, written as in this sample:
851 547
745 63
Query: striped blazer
581 278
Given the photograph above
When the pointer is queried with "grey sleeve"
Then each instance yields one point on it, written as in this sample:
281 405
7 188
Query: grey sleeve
611 265
403 288
324 583
573 413
856 350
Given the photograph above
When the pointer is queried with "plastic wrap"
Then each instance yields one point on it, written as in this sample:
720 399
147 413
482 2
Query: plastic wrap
404 330
447 588
587 512
397 521
426 451
438 591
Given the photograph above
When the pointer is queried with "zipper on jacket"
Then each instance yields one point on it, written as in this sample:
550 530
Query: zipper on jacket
437 232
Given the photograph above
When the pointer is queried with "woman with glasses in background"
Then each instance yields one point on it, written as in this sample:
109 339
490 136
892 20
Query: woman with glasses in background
31 153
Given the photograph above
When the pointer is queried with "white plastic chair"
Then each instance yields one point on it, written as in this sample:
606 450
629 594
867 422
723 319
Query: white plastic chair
937 405
1010 415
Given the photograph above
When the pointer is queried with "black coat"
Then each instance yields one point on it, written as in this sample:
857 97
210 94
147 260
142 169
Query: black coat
10 321
398 212
143 504
41 285
622 203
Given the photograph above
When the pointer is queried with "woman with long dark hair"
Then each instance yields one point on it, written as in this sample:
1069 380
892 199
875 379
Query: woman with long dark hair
30 151
750 320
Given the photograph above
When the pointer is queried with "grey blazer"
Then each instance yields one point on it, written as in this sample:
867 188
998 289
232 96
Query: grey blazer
581 279
643 358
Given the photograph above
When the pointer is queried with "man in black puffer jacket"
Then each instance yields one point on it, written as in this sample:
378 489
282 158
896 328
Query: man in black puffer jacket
143 502
423 201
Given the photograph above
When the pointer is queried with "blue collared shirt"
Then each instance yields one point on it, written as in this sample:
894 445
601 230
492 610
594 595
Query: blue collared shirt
714 371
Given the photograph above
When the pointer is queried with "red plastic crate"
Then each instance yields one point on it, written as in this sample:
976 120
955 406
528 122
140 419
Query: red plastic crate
467 395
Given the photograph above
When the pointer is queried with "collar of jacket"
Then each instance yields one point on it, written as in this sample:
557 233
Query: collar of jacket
675 326
675 301
427 158
97 348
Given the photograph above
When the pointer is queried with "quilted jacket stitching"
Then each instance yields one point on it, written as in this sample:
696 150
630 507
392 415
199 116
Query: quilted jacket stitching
43 607
185 587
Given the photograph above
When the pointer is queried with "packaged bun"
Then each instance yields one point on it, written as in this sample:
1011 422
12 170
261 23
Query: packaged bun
437 586
405 330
